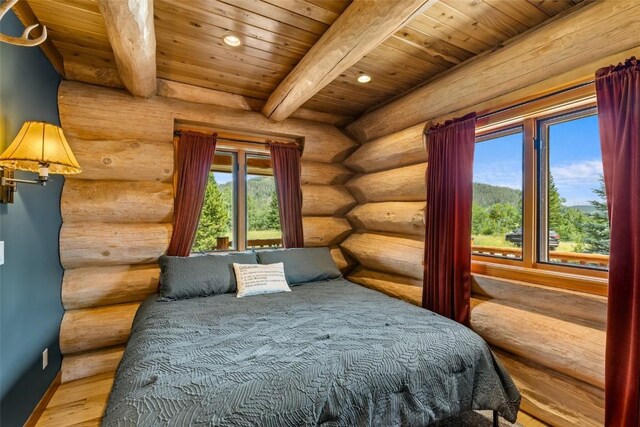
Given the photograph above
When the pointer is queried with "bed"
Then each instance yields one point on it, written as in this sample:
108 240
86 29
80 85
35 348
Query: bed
329 353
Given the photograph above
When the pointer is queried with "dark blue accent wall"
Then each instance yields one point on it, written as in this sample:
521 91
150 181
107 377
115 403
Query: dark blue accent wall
31 277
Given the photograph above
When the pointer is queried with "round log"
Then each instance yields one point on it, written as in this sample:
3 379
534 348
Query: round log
92 112
88 244
76 366
579 307
573 349
94 328
397 185
401 254
86 73
126 159
390 217
116 201
324 231
390 152
344 262
330 200
324 173
100 286
552 397
402 287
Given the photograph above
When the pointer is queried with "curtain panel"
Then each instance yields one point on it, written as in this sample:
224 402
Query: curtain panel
194 154
618 96
285 159
447 246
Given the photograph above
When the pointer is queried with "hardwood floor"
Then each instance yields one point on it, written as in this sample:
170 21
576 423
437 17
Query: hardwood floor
82 402
78 403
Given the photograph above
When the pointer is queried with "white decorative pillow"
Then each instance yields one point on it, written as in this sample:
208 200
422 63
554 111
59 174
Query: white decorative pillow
256 279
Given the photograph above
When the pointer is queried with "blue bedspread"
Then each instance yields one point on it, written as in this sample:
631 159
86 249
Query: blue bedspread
328 353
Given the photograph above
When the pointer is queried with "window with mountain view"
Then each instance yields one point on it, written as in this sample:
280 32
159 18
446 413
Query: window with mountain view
497 194
240 209
216 229
263 217
572 204
538 191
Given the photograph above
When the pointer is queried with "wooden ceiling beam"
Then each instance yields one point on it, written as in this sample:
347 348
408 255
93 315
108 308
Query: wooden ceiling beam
200 95
587 34
363 26
27 17
132 36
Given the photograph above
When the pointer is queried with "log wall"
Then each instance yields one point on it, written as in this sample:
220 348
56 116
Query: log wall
551 340
117 215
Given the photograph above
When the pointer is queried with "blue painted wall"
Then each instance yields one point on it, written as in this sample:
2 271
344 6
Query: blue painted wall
31 277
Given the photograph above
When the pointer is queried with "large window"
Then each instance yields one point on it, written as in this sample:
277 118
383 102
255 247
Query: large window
240 209
539 200
572 216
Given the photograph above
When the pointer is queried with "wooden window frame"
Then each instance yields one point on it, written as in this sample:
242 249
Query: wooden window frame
240 151
528 268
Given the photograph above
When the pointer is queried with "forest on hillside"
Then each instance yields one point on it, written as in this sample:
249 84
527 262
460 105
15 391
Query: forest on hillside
216 219
498 211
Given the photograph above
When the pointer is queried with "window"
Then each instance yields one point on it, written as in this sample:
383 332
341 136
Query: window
497 194
572 216
539 207
263 217
240 209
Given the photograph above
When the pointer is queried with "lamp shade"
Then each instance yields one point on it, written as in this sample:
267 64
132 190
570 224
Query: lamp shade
38 144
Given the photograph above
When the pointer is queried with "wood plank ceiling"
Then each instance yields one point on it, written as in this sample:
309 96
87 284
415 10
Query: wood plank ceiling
276 34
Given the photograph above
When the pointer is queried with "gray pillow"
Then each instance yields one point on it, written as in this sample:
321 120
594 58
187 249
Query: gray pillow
304 264
200 275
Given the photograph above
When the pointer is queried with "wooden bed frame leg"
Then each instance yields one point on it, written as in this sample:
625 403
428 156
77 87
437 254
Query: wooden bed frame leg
496 419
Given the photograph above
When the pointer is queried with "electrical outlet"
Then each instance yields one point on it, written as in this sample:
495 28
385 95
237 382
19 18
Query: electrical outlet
45 358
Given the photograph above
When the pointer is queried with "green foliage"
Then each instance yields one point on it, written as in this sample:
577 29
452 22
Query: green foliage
262 204
498 210
486 195
497 219
214 220
272 217
555 203
597 228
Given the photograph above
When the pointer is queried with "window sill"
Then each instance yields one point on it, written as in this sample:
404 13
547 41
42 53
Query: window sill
574 282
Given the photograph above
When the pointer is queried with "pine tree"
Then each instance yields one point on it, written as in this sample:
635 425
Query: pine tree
597 227
555 203
214 220
272 216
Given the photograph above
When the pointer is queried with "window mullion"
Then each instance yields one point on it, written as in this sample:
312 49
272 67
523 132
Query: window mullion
242 201
530 195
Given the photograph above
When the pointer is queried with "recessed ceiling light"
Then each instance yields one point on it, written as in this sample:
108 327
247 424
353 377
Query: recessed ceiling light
364 78
232 40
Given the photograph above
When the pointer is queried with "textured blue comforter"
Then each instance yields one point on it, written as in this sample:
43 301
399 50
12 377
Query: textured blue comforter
328 353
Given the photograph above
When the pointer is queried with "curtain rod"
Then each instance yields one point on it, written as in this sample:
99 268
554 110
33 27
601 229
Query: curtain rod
265 144
179 133
531 101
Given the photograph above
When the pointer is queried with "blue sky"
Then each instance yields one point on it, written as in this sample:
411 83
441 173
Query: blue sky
576 162
223 177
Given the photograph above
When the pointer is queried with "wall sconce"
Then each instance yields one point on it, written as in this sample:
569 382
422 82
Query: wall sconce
39 147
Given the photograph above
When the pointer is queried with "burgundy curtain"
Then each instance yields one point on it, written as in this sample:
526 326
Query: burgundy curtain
286 171
618 93
447 245
194 153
